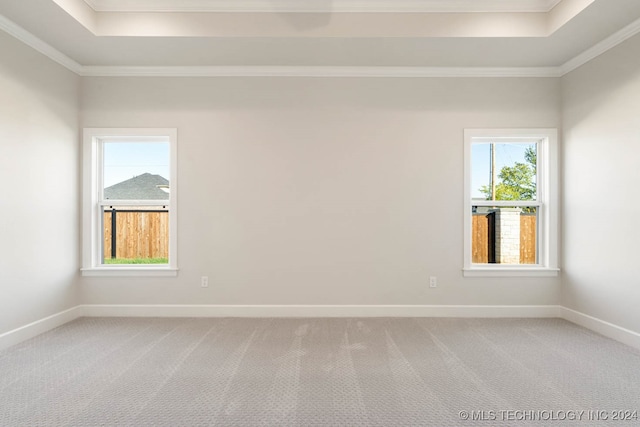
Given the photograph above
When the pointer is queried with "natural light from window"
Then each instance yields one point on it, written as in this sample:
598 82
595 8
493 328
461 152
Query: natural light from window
510 201
131 195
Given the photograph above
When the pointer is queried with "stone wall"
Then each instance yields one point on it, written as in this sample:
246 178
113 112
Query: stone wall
507 235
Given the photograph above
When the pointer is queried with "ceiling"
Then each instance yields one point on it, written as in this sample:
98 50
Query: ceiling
331 6
321 37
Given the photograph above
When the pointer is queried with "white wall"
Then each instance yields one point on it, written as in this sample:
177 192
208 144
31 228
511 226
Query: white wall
39 172
601 167
320 190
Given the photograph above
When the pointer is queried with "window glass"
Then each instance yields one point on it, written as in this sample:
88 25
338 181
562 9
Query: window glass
136 170
136 235
504 235
504 171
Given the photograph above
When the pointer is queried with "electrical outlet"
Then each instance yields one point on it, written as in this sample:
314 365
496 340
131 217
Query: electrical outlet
433 282
204 282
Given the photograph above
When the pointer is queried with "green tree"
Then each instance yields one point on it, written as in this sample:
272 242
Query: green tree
517 182
531 156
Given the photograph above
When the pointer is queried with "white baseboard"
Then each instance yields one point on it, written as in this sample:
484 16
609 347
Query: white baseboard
95 310
26 332
607 329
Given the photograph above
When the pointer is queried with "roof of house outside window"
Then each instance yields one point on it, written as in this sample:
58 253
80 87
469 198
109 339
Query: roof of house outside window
141 187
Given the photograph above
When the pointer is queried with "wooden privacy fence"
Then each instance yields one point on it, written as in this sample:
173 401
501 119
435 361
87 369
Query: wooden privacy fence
483 239
138 234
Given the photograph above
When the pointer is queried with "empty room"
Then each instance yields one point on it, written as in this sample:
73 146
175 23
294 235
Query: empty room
319 212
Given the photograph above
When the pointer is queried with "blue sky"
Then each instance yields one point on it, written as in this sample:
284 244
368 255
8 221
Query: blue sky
507 154
124 160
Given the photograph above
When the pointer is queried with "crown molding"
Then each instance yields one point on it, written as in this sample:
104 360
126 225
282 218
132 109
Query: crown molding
322 6
328 71
34 42
601 47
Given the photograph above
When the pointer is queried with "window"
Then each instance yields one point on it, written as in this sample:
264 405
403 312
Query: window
129 202
511 202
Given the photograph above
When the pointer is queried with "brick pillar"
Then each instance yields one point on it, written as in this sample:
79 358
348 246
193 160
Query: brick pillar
507 235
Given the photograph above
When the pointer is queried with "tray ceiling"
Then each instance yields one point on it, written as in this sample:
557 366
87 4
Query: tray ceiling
445 37
428 6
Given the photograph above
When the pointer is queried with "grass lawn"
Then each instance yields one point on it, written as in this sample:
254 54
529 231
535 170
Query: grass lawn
136 261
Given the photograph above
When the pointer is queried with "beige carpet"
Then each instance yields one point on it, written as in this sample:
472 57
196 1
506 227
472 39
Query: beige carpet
318 372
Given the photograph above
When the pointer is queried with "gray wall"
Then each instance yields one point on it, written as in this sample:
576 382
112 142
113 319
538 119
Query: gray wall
39 173
601 167
320 190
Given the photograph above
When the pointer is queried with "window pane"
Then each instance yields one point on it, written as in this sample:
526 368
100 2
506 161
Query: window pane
514 171
136 171
136 235
504 235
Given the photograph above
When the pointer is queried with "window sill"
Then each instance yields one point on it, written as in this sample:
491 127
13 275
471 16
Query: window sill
130 271
510 272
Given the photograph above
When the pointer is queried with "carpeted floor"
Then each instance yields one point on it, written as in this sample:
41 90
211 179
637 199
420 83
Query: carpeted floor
319 372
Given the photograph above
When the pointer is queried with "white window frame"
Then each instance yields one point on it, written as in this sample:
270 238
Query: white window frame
92 187
547 202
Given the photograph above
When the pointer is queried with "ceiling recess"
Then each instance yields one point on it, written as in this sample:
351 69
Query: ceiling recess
324 6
